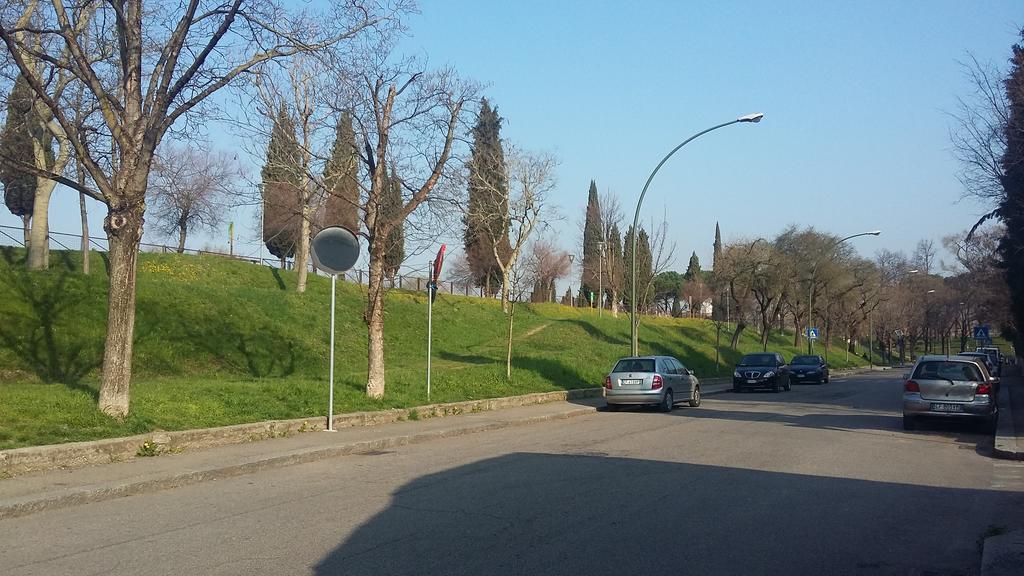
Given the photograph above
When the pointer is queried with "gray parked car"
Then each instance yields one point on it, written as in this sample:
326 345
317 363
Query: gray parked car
661 381
951 387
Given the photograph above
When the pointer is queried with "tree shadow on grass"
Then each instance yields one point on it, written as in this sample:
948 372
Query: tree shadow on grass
553 371
258 351
277 278
37 332
597 333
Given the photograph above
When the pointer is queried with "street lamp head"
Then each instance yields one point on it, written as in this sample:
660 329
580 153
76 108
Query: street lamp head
914 271
755 118
875 232
930 292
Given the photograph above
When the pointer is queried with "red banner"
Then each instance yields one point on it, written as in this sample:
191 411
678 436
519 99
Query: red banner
437 264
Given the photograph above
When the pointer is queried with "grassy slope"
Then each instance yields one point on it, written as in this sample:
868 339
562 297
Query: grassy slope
223 342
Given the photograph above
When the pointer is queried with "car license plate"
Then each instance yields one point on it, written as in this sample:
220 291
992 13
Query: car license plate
937 407
632 382
751 381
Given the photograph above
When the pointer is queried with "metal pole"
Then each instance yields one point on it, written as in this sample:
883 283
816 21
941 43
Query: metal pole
430 328
636 221
600 280
330 401
871 318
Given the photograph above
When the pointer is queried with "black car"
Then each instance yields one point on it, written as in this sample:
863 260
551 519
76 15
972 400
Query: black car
761 370
808 369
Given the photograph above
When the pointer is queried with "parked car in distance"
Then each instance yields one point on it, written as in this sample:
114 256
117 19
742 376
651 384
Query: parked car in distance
761 370
951 387
996 355
808 369
661 381
993 368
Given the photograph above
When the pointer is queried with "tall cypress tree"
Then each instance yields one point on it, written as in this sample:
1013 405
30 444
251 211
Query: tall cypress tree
391 206
1011 209
281 181
341 178
644 270
487 209
22 126
693 268
591 237
717 247
717 305
615 264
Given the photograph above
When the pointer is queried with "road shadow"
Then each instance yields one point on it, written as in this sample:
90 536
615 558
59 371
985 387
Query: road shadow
541 514
39 332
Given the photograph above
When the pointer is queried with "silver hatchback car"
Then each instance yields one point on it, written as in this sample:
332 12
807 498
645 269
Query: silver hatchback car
952 387
654 380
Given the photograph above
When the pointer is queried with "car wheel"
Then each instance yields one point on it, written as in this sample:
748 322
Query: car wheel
667 402
825 381
613 407
695 399
789 385
908 422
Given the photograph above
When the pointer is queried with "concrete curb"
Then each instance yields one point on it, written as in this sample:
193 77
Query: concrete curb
1003 555
53 500
78 454
1005 445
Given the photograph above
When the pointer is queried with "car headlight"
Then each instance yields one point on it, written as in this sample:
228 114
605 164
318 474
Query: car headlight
769 374
737 374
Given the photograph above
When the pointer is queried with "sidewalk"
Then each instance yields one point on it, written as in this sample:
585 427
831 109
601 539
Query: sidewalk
1008 442
52 489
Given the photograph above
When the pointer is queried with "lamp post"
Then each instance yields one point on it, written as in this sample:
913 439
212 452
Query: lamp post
751 118
927 310
814 270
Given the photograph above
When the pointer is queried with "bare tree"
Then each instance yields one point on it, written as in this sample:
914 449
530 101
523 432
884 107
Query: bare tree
530 178
612 263
979 135
924 256
546 264
170 59
410 118
188 189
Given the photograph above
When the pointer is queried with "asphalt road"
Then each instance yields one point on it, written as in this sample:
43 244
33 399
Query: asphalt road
820 480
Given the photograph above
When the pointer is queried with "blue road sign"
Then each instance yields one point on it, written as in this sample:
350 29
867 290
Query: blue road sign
981 333
812 333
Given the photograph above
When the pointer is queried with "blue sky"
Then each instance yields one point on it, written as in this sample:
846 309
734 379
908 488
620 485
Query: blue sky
856 97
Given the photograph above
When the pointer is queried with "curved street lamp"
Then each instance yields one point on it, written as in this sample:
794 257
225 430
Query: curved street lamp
814 270
751 118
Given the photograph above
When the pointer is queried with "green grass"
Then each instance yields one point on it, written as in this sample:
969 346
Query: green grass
221 342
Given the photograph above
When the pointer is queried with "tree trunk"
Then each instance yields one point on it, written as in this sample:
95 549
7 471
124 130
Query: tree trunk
182 232
505 290
26 223
124 232
39 241
374 317
302 255
615 304
85 226
740 325
508 356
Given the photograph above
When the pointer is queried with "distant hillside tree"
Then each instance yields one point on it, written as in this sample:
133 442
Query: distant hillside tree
645 271
488 201
593 233
614 275
391 208
187 190
281 179
341 178
693 268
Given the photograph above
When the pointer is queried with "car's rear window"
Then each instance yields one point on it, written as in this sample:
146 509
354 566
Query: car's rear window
939 370
758 360
635 365
810 360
